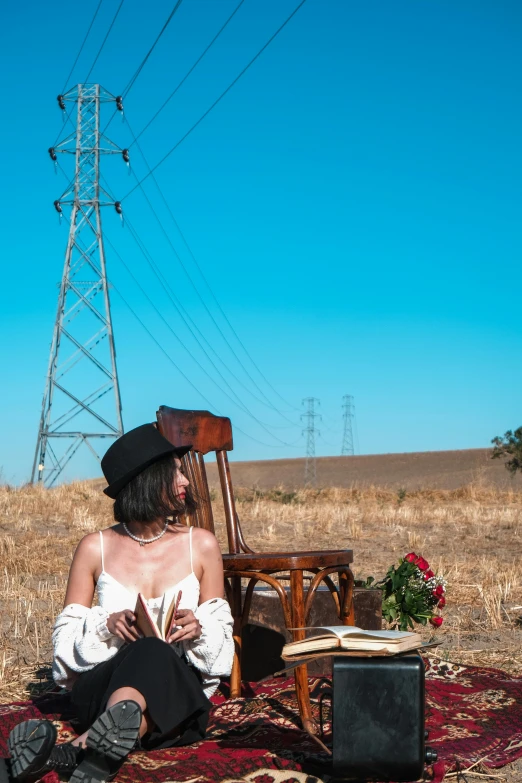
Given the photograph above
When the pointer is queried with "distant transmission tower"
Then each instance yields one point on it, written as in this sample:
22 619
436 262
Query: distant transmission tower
310 431
82 381
347 447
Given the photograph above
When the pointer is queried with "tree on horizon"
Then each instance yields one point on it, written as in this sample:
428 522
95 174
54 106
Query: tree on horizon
510 445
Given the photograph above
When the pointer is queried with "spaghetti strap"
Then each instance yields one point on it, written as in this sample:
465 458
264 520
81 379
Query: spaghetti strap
190 545
101 551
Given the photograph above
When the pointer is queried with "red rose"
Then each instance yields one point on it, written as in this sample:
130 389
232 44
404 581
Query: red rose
422 564
442 603
439 591
428 574
436 621
411 557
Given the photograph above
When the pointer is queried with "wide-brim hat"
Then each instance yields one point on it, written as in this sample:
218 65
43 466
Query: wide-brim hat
136 450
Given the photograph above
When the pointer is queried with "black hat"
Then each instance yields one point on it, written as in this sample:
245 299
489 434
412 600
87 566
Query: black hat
134 452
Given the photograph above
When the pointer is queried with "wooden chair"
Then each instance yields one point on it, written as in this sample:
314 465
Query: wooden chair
208 433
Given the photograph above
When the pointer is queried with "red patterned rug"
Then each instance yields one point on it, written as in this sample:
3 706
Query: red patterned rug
473 714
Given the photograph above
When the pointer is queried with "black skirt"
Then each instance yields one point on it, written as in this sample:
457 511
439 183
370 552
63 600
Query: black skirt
172 690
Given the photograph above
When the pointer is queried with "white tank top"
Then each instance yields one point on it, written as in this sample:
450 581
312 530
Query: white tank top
115 597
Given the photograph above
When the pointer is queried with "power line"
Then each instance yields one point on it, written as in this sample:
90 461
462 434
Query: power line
243 407
198 363
140 67
171 360
67 119
172 94
185 318
81 47
68 116
147 256
327 442
238 380
334 429
104 40
195 125
230 326
150 173
169 357
185 315
227 342
69 180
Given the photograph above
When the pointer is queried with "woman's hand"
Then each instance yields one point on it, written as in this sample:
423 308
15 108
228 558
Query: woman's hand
121 624
190 627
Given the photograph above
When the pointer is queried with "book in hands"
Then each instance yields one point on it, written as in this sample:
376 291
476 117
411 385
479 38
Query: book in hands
146 624
338 638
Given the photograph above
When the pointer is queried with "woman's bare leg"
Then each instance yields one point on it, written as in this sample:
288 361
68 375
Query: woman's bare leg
123 694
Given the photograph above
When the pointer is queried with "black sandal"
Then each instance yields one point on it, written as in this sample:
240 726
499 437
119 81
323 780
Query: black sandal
111 738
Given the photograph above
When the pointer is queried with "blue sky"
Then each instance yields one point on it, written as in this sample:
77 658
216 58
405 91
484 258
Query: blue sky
354 203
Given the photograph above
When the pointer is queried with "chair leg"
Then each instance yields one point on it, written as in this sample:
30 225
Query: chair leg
301 672
347 609
235 677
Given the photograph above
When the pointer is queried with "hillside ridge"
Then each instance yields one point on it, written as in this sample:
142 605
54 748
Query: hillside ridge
449 469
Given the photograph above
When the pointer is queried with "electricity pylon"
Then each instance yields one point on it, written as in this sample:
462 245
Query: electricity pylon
82 360
347 447
310 431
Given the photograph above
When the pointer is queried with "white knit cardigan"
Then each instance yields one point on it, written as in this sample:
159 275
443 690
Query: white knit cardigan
81 640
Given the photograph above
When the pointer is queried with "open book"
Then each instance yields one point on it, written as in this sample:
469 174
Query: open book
167 618
347 637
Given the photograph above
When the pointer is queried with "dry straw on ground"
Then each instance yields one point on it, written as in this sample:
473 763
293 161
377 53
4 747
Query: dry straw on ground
471 535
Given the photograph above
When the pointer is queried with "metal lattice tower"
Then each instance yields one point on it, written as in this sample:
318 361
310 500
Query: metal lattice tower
310 431
347 447
82 380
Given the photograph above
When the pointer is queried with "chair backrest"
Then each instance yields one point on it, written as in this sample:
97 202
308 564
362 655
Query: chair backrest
205 433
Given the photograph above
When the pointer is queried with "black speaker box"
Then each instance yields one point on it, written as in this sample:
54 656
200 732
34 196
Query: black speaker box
378 718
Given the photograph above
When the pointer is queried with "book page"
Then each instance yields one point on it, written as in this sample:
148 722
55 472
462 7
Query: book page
144 620
328 630
398 645
170 615
351 632
315 643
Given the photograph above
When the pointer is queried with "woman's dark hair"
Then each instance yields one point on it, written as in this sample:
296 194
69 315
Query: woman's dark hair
151 495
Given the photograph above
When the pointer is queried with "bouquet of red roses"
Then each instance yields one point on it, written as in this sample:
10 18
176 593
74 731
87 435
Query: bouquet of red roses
412 593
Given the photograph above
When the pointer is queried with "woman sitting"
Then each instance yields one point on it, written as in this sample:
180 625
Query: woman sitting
127 689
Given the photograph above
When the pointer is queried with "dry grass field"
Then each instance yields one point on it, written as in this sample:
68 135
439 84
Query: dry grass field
472 535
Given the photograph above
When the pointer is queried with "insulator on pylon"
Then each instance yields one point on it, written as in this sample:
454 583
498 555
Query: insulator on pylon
52 153
119 103
61 103
125 155
58 208
119 210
